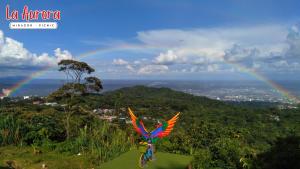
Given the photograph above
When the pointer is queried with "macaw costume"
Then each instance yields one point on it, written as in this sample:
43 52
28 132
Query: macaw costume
162 130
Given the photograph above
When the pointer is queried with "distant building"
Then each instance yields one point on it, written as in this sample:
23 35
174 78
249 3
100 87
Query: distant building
103 111
26 97
108 118
51 104
38 102
146 118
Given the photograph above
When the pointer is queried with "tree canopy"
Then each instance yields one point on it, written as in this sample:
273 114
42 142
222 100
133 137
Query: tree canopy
74 69
76 86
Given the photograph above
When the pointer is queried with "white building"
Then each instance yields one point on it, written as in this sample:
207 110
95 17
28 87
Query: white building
51 104
26 97
103 111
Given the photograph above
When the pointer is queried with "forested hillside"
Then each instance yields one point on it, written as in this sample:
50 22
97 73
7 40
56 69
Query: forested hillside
216 134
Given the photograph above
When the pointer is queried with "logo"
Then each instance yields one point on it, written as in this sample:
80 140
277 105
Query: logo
32 19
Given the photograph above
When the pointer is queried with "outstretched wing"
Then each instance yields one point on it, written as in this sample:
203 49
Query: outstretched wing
138 125
165 129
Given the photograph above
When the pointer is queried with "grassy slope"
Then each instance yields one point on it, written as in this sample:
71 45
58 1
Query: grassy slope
24 158
129 160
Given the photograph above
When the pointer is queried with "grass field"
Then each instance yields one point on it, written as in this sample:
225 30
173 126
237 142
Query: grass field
129 160
24 158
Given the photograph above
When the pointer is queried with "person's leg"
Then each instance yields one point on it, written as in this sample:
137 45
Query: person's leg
152 152
148 153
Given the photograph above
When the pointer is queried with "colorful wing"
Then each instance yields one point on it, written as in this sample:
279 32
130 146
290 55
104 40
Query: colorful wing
165 129
138 125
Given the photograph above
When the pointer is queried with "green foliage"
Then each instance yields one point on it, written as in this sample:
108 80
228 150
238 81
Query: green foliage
67 91
216 134
75 69
93 84
10 131
284 153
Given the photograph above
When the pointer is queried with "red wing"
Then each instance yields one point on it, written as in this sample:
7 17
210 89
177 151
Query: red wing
165 129
138 125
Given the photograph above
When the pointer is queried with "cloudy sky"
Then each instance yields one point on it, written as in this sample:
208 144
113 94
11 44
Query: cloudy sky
153 39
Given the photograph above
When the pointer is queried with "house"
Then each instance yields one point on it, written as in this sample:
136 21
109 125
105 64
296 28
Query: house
37 102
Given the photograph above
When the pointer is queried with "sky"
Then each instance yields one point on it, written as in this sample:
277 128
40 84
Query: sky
151 39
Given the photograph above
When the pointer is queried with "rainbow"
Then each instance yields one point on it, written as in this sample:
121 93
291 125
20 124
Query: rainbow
280 89
23 82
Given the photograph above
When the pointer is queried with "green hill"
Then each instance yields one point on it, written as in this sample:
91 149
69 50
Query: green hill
130 159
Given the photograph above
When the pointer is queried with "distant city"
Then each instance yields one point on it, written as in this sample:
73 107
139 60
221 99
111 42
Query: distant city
219 90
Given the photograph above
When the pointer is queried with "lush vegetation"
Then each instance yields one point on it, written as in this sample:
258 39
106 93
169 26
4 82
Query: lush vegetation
214 133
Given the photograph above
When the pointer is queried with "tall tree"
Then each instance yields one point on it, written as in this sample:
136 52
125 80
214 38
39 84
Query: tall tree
75 72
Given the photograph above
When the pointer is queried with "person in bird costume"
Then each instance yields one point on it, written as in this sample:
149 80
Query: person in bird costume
162 130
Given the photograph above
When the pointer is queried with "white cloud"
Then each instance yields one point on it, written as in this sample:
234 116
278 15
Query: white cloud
1 39
293 40
285 59
281 63
130 68
120 62
212 42
62 54
125 64
209 47
238 53
168 58
137 62
142 61
271 47
13 54
151 69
